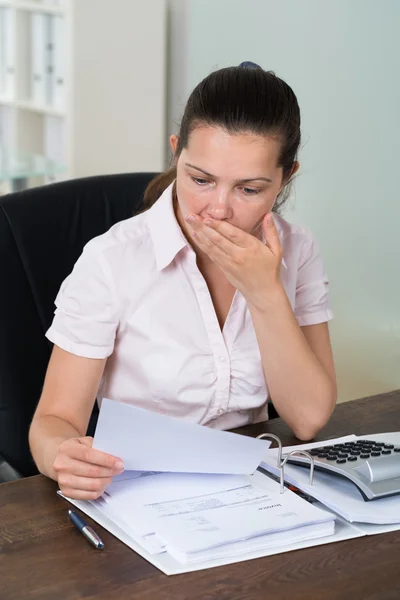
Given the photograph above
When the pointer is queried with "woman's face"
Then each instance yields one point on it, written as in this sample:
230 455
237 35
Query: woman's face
231 177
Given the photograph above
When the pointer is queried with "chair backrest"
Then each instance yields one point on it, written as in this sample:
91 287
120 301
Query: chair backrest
42 234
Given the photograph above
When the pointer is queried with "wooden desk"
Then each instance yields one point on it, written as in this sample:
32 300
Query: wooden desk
43 557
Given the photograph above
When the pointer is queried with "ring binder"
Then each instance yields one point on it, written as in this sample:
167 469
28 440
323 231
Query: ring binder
281 463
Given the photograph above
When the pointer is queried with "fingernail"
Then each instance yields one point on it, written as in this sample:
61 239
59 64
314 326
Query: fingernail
208 222
119 465
190 218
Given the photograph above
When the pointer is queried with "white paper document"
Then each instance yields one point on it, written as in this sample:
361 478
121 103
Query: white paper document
195 514
148 441
249 550
197 521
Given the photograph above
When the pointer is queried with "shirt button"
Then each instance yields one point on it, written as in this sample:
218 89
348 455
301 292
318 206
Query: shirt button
220 411
222 358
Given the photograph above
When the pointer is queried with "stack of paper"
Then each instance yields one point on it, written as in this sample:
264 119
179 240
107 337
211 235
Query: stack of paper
192 495
188 489
203 517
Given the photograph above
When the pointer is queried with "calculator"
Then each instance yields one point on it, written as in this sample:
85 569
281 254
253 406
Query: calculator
374 467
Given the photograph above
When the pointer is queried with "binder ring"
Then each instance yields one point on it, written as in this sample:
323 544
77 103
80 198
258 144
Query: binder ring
281 463
304 453
279 459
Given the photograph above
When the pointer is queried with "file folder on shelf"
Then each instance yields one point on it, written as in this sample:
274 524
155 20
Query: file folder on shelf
7 53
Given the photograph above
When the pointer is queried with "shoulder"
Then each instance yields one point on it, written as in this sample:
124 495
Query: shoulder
291 231
122 241
297 241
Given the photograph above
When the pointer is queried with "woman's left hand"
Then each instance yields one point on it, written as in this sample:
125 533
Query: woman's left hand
251 266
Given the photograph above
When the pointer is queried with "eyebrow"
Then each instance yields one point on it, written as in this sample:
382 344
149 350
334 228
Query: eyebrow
237 181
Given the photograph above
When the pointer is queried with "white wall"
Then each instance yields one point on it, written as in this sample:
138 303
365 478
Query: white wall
117 86
343 61
177 66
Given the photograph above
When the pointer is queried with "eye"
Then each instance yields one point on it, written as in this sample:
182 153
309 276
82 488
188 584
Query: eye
200 181
251 191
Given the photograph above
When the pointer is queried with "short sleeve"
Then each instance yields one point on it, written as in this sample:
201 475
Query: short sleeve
86 316
312 286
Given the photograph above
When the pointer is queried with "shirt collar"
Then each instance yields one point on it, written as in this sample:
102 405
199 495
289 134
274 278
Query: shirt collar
165 231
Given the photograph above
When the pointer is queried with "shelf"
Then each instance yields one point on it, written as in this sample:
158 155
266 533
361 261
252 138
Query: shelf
97 91
34 7
14 166
7 101
46 110
28 105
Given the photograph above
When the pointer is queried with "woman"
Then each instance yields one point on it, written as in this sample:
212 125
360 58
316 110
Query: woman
193 307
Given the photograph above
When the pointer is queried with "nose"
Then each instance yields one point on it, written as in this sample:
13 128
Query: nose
220 205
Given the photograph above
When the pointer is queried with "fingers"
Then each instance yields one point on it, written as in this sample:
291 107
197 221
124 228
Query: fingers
271 235
88 441
214 243
80 451
218 247
80 494
83 472
69 481
228 231
66 464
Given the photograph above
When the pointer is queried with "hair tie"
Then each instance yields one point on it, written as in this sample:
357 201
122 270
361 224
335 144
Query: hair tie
247 64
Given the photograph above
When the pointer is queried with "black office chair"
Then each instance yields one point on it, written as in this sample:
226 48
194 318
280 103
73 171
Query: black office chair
42 234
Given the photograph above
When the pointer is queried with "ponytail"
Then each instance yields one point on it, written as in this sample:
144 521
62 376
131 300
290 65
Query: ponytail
157 186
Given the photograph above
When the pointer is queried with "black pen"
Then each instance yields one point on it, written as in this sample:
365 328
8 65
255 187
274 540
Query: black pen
86 530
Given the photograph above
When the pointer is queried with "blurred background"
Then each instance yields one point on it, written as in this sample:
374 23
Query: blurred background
97 86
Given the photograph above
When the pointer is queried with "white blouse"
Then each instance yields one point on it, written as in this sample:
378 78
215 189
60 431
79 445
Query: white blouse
137 296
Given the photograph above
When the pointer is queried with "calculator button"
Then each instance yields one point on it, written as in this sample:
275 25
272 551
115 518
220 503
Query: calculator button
386 451
379 444
342 455
352 458
397 449
331 457
389 446
365 455
323 455
355 452
341 460
315 451
374 453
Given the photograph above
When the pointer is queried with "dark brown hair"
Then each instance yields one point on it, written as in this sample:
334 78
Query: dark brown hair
240 100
